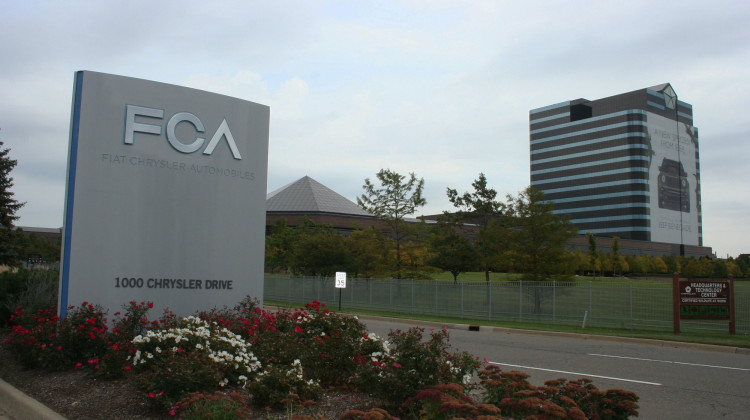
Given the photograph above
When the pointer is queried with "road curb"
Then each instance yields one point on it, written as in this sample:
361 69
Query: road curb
20 406
505 330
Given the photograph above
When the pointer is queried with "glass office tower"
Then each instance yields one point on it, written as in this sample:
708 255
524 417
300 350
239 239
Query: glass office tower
626 165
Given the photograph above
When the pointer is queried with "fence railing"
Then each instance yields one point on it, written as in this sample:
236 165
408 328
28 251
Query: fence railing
626 304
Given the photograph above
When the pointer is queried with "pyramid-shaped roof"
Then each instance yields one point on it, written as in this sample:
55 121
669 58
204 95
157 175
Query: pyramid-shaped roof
307 195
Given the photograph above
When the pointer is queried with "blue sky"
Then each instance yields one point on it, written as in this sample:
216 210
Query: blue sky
440 88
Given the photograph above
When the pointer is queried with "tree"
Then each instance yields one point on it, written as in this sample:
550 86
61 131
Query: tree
593 253
540 241
320 250
395 199
8 208
480 208
281 247
615 255
369 252
31 244
453 252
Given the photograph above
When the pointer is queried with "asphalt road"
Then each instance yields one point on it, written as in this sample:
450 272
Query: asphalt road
673 382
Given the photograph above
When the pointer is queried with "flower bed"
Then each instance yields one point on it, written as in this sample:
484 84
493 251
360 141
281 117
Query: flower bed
235 362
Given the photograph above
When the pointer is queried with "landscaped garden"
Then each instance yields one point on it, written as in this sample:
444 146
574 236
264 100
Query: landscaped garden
247 362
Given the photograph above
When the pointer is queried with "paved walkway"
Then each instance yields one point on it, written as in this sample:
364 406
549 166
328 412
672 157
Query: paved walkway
15 405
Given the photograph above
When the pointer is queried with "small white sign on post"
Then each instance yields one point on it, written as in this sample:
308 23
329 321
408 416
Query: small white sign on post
340 280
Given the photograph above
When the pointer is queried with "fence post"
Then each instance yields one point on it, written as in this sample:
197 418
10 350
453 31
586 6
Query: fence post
554 300
390 294
520 300
489 301
462 300
591 311
411 306
631 305
436 297
676 303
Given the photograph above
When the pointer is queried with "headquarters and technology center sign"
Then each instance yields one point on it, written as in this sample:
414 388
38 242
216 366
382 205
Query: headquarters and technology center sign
165 198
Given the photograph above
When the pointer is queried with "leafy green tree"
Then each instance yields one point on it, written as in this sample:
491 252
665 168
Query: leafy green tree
480 208
658 266
321 250
281 247
31 244
453 252
593 252
369 252
719 269
615 256
8 208
540 241
672 264
691 269
395 198
734 269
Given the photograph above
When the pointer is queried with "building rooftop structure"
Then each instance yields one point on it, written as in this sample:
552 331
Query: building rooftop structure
308 198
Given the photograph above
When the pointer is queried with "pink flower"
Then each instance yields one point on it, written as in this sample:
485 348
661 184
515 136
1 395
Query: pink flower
78 365
396 365
127 367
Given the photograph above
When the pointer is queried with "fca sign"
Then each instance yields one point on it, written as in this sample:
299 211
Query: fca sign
131 126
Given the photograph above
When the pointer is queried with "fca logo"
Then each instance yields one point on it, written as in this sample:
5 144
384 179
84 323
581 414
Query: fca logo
131 126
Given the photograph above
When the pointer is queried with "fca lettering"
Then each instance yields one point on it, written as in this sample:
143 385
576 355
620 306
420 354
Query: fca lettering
131 126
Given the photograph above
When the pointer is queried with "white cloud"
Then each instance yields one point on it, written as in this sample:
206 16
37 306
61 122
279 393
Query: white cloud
440 88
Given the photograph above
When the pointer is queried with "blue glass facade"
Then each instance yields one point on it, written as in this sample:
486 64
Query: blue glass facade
595 160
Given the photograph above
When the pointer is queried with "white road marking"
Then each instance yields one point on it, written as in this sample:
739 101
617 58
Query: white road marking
668 361
588 375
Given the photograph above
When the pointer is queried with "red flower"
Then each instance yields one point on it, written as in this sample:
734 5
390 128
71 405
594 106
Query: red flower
298 329
127 367
396 365
152 395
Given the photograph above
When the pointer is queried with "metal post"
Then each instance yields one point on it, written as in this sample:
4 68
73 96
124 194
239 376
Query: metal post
591 311
462 300
436 297
411 308
520 300
554 300
676 303
631 305
731 305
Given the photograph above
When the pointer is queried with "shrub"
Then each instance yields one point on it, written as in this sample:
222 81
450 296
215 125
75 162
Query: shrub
276 383
373 414
193 356
560 398
219 405
448 401
329 345
82 335
30 289
413 364
33 337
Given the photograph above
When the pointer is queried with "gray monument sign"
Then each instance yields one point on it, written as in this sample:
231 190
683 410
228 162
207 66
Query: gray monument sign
165 197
